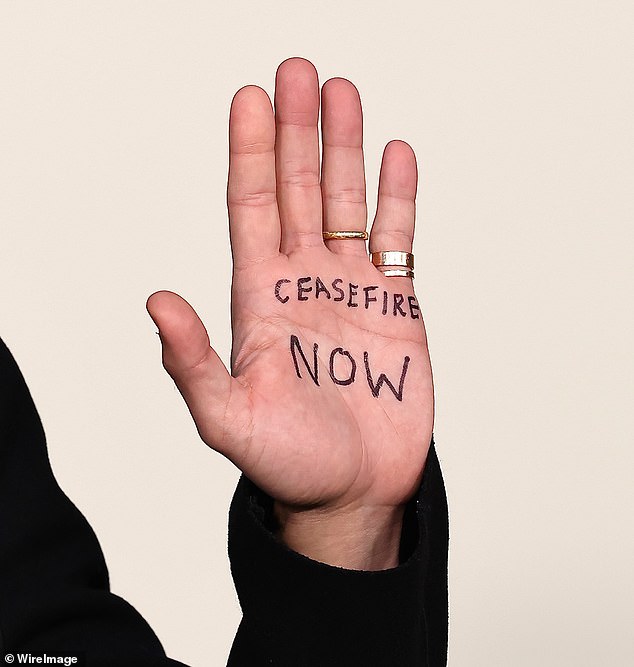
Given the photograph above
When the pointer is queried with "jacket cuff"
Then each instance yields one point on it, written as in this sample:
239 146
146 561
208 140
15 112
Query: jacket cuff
300 611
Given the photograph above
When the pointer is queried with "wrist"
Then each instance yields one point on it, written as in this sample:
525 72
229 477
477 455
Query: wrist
360 538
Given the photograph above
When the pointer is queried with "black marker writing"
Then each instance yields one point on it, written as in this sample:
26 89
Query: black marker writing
413 307
383 378
278 284
307 288
314 374
338 289
320 287
338 352
301 290
368 298
398 300
353 366
352 292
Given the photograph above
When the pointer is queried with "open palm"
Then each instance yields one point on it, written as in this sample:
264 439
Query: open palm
329 403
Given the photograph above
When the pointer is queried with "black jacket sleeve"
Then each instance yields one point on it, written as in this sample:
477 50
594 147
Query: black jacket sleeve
299 612
54 589
55 596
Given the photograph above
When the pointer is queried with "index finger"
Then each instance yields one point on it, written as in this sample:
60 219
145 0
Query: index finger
254 221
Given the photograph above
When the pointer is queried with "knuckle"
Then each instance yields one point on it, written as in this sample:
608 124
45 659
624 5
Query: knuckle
253 148
346 195
255 199
298 176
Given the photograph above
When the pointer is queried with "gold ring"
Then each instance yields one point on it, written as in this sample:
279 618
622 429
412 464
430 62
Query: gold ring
392 258
345 235
407 273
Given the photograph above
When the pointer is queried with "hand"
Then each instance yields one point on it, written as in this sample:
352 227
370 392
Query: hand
339 450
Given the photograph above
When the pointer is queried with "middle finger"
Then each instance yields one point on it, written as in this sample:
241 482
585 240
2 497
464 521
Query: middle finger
297 154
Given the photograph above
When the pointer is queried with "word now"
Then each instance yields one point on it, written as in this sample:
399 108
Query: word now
313 371
390 303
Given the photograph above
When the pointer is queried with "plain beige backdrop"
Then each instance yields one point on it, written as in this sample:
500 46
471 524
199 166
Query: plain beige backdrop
113 162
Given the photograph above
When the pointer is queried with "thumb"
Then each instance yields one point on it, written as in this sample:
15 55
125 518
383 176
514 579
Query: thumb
212 395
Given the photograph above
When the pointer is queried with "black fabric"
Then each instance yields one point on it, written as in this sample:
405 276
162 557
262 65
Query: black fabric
301 612
55 597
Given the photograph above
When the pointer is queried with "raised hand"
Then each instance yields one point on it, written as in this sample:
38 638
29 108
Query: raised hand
329 406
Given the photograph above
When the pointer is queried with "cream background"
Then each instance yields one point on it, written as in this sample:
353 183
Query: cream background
113 143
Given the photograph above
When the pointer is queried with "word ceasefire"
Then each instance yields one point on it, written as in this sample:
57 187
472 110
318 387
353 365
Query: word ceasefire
306 288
